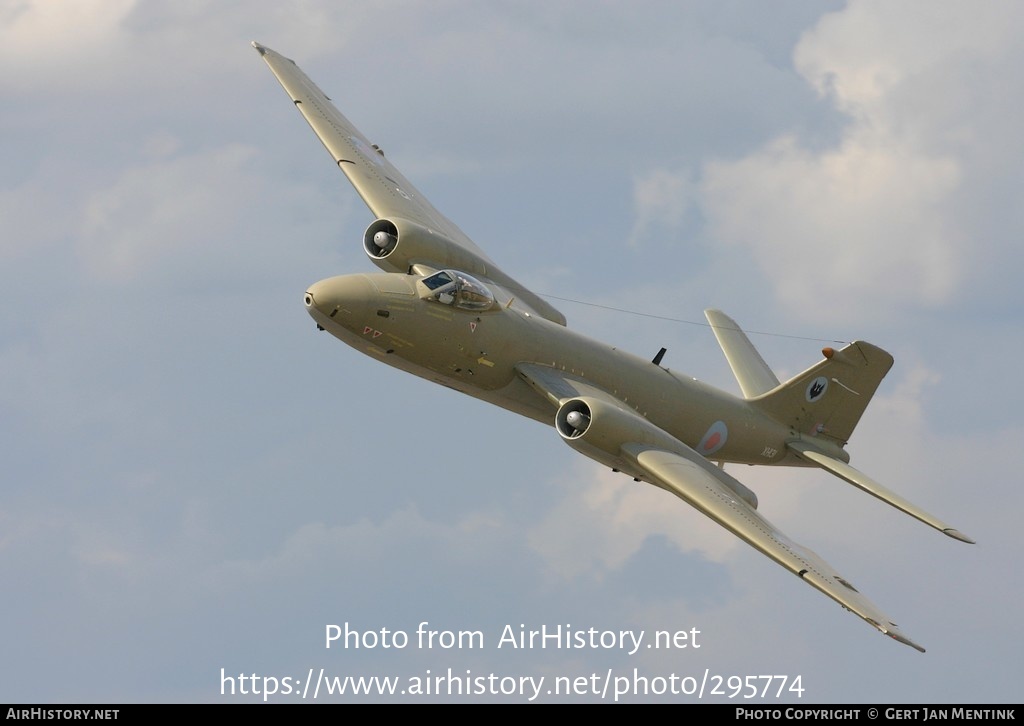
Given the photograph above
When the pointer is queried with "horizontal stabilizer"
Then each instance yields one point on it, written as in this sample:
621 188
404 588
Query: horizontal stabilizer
705 487
752 373
862 481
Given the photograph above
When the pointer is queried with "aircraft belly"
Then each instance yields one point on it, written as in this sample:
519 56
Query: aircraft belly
467 353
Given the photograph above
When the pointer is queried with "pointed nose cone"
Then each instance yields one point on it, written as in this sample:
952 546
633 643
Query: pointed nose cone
341 299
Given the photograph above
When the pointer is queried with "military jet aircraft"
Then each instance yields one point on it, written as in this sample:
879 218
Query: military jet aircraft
444 311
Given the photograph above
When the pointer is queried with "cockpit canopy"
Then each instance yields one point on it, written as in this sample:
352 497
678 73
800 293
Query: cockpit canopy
450 287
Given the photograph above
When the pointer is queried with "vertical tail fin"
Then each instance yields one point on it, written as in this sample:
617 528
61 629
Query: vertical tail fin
752 373
826 401
821 406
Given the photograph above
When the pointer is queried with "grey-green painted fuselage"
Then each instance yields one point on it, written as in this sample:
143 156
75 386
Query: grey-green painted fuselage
384 316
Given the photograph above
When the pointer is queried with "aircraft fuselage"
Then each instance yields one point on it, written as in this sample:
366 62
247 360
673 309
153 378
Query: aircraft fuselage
476 352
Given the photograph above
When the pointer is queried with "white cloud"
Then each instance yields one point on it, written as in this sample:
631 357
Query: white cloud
661 199
31 214
200 216
603 519
130 47
172 209
315 546
883 218
41 31
858 227
869 51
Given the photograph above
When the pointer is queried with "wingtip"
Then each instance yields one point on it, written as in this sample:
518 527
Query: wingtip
901 638
956 534
259 48
718 319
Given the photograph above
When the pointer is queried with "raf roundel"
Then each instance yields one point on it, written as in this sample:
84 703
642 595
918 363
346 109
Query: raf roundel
714 439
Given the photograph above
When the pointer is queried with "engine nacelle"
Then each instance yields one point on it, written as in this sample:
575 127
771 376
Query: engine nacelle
396 244
605 426
598 429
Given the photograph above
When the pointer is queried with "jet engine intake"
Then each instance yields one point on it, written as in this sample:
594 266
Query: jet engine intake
573 419
397 244
599 429
606 426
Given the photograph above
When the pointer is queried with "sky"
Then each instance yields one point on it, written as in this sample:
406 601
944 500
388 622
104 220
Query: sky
198 485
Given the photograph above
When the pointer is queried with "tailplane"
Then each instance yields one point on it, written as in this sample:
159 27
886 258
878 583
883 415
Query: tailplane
821 406
808 452
827 400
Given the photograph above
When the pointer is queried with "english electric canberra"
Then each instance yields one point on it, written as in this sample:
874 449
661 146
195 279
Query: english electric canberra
442 310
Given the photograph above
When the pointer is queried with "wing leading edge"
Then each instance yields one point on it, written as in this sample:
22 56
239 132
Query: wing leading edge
381 186
700 484
656 457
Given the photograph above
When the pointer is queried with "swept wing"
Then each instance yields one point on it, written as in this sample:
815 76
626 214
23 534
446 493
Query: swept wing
384 189
600 426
